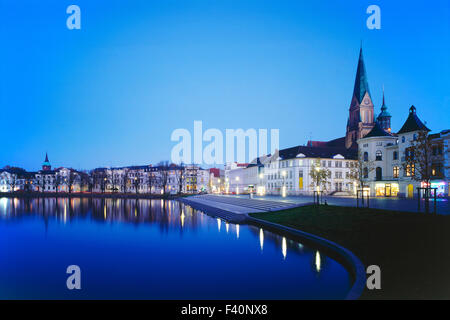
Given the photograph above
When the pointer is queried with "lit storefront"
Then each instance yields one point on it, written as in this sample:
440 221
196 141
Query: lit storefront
439 185
386 189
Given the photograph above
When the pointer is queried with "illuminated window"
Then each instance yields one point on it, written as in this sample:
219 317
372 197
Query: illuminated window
378 156
396 172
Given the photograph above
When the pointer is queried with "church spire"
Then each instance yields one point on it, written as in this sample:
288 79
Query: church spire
46 166
361 82
361 114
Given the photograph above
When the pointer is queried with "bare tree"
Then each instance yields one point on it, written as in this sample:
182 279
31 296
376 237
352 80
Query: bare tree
41 183
101 179
163 175
114 180
418 162
57 181
85 181
319 176
151 180
71 179
137 182
180 177
124 180
12 182
359 173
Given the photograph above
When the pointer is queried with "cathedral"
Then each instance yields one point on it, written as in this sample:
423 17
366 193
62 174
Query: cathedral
361 117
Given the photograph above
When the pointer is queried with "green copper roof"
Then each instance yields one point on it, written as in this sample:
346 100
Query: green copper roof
46 162
384 112
361 82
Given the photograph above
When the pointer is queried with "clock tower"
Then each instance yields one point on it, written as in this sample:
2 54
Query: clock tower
361 117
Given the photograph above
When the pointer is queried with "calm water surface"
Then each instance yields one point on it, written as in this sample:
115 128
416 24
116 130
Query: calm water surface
151 249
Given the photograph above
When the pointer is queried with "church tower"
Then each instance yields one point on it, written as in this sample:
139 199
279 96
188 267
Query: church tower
361 117
384 118
46 165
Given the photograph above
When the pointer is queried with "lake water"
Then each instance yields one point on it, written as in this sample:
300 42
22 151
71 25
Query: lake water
151 249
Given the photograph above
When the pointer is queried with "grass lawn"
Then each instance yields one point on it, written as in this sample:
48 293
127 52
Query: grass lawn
412 250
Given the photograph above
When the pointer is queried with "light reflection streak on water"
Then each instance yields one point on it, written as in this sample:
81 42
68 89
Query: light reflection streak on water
261 238
318 261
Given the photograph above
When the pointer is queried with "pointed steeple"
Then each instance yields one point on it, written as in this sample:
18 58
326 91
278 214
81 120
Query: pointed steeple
384 118
361 82
46 166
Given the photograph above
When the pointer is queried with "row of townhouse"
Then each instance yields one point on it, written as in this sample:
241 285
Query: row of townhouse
137 179
151 179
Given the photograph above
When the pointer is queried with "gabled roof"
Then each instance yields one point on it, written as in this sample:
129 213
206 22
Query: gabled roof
377 131
361 82
413 122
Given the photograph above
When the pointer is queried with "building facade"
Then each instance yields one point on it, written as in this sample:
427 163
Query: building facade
384 156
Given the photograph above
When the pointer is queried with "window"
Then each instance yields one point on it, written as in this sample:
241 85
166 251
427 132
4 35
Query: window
414 136
403 139
378 156
409 170
379 173
365 173
396 171
366 156
395 155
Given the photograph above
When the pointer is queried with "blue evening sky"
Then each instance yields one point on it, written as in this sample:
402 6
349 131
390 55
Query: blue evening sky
111 93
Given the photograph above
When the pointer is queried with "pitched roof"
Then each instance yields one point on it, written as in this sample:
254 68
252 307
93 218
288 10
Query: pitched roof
413 122
317 152
361 81
377 131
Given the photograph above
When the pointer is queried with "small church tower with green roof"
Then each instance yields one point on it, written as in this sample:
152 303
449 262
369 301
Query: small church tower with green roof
361 114
384 118
46 165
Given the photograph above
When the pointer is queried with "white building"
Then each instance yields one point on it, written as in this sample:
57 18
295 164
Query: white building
385 154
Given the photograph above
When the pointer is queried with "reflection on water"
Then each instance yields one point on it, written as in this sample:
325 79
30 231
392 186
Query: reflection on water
317 261
261 238
202 249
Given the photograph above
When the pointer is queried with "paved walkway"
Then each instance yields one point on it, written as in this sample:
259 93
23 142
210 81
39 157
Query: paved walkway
442 205
235 209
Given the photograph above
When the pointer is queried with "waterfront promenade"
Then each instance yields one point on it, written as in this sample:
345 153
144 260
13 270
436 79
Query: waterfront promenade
394 204
236 209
